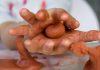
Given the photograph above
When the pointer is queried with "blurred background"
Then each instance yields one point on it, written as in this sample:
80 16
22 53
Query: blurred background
95 4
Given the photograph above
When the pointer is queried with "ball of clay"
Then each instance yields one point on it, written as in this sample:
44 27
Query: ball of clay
55 31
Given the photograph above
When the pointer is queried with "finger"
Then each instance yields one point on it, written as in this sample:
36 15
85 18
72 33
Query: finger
36 44
33 47
62 15
30 47
21 30
92 35
56 13
24 54
63 46
42 15
66 43
79 48
60 50
48 47
71 23
94 50
27 15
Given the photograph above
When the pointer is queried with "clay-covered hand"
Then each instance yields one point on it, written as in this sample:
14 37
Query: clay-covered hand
52 31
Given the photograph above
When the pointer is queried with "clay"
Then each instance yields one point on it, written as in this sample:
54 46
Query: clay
55 31
51 33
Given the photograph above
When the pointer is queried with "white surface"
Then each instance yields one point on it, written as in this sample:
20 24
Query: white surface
85 15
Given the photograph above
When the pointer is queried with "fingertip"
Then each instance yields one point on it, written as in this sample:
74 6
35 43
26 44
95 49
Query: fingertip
12 31
72 23
66 42
42 14
27 42
49 43
27 15
23 11
96 34
77 24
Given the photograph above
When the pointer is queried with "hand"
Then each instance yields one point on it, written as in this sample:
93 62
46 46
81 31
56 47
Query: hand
71 40
51 22
94 60
79 48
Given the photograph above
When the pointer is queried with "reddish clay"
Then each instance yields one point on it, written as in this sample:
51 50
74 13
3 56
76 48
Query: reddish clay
56 30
